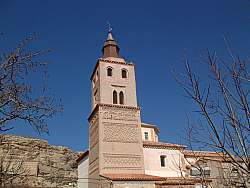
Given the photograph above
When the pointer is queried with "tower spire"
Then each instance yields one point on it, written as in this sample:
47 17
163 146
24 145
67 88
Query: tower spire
110 47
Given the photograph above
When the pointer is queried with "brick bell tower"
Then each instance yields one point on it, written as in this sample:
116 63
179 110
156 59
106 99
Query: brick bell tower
115 142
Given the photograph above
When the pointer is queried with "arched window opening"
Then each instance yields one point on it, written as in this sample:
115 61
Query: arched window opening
109 71
146 135
114 97
124 73
163 160
121 97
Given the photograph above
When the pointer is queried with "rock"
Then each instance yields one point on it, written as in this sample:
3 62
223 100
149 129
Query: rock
41 164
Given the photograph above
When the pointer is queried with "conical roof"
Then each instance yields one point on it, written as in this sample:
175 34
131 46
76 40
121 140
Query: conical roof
110 47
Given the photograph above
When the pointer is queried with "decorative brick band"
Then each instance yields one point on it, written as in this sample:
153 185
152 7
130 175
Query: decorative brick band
121 133
110 105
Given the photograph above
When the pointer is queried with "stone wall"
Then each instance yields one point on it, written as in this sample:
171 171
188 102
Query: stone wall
34 162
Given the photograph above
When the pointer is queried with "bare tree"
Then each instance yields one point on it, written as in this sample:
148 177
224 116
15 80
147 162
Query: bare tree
21 70
222 100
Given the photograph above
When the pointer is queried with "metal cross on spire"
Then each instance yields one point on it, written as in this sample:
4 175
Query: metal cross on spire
109 27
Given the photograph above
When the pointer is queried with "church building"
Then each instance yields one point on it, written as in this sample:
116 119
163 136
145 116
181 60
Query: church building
123 151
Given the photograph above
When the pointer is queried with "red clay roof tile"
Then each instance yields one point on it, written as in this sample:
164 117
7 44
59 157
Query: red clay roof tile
162 145
145 177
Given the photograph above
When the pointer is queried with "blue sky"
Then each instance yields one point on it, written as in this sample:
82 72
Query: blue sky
154 35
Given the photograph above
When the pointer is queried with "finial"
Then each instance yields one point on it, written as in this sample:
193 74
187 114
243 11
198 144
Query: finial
109 27
110 47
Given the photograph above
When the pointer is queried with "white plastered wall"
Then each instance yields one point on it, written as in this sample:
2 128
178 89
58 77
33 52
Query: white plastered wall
152 136
115 82
83 171
175 162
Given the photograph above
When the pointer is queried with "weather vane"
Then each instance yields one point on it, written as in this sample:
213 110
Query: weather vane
109 26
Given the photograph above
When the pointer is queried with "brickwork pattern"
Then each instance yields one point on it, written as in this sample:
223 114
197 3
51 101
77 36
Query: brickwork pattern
123 133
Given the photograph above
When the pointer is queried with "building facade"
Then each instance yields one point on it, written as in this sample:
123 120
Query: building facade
123 151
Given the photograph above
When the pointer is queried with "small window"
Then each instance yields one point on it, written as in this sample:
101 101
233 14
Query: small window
195 171
207 171
109 71
163 160
146 135
121 97
124 73
114 97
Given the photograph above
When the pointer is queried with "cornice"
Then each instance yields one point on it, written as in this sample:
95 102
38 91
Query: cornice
120 106
115 62
162 145
157 130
